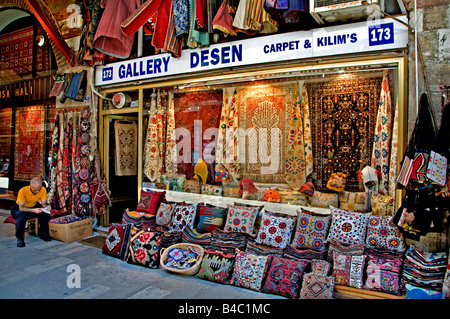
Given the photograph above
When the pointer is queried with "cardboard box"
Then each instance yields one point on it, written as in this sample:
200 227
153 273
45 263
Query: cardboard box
71 231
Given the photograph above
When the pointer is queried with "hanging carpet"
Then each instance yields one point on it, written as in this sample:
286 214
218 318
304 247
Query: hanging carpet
126 148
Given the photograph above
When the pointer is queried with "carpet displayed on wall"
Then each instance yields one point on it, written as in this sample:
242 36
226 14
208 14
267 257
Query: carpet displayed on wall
197 112
5 134
29 142
343 115
265 109
126 148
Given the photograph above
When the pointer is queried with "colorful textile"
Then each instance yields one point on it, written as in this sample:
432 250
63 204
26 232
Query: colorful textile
262 249
249 270
164 214
343 115
382 234
232 140
194 237
348 270
383 134
231 192
151 150
348 227
216 266
116 242
149 201
446 283
240 219
414 292
291 252
211 218
29 145
191 186
311 231
382 205
393 161
138 218
228 242
334 245
183 216
383 274
293 197
171 157
284 277
181 16
316 284
182 258
276 230
437 168
324 200
196 38
353 201
212 190
126 148
144 248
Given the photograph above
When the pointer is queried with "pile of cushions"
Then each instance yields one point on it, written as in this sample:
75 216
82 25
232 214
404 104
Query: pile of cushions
301 256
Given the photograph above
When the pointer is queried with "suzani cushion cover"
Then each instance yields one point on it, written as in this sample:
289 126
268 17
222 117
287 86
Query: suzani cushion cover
311 230
324 200
383 274
144 248
116 242
240 219
348 270
382 205
216 266
317 284
164 214
149 201
211 218
382 234
348 227
249 270
276 230
212 190
183 215
284 277
353 201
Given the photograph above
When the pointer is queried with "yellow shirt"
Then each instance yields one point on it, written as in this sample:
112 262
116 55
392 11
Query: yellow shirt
26 196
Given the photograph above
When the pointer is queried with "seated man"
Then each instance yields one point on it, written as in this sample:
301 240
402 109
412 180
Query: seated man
31 200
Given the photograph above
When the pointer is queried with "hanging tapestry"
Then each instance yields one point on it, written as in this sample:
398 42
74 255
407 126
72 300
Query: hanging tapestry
343 115
126 148
151 151
265 117
161 128
231 162
29 143
5 134
197 112
171 149
382 138
393 161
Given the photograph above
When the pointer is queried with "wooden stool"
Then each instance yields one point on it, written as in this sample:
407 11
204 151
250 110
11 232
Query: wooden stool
36 225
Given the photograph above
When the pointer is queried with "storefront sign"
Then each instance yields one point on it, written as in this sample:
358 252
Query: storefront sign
372 35
26 91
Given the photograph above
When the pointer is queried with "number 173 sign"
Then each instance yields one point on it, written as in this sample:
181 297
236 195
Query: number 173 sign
381 34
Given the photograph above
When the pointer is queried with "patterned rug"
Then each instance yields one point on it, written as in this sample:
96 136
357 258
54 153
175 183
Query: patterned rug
29 142
126 148
5 133
343 115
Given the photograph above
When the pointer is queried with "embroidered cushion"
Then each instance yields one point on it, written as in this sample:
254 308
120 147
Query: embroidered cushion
357 249
353 201
276 230
316 284
240 219
324 200
212 190
183 215
348 270
311 231
211 218
144 248
231 192
116 242
293 197
216 266
191 186
284 277
249 270
383 274
347 227
149 201
382 205
164 214
382 234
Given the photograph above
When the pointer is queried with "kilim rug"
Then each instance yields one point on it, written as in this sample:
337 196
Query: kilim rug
265 107
343 115
126 148
5 133
29 142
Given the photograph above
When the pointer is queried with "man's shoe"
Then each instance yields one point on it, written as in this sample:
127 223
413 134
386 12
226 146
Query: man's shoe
20 242
46 237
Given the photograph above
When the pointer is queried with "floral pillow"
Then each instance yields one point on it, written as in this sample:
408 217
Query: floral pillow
324 200
191 186
216 266
293 197
116 242
348 227
284 277
249 270
240 219
382 234
144 248
149 201
212 190
382 205
353 201
164 214
183 215
383 274
211 218
311 231
276 230
348 270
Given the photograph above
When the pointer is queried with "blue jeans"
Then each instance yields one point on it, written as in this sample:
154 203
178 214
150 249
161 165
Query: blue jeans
21 219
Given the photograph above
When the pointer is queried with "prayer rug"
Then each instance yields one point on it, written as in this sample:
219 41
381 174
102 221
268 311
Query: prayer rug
29 143
126 148
343 115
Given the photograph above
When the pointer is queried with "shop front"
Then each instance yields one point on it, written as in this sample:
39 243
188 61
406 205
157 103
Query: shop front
276 111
